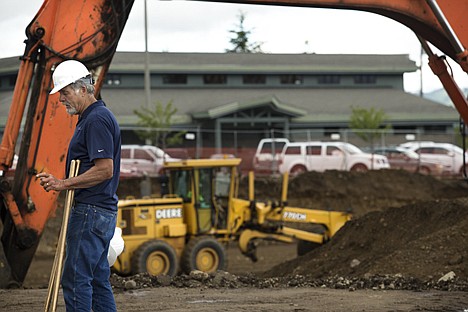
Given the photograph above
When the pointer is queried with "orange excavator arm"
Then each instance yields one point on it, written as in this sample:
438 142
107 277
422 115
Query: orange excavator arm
89 31
85 30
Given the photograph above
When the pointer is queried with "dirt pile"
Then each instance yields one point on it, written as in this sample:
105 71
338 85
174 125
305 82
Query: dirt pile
405 224
424 240
357 191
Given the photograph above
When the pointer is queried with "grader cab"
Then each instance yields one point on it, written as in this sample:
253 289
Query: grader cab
199 213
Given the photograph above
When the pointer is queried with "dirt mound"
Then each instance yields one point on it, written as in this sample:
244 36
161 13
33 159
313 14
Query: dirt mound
360 192
425 240
407 224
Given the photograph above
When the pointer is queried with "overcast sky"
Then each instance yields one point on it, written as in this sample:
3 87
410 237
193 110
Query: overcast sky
182 26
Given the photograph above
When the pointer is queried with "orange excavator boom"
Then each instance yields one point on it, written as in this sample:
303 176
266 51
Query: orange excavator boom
85 30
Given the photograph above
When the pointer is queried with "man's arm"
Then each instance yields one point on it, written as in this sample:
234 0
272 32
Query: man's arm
102 170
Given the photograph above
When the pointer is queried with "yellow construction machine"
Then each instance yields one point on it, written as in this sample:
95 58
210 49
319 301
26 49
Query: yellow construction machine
199 213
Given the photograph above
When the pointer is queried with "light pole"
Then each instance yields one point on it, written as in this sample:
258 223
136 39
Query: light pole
147 61
421 93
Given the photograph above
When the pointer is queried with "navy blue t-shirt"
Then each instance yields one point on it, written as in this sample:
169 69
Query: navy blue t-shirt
97 135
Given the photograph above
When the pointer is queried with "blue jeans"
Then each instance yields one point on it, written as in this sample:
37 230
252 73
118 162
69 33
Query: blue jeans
86 272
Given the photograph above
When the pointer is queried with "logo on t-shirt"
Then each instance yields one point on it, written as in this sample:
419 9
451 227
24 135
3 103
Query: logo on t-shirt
100 150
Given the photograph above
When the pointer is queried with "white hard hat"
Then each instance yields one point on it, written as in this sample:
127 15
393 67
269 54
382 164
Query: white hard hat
116 246
66 73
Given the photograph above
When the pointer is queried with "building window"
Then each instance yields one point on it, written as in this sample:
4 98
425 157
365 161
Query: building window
174 79
254 79
329 79
13 80
214 79
113 80
291 79
434 129
365 79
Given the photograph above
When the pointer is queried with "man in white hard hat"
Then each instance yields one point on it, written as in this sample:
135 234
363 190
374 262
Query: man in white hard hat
96 143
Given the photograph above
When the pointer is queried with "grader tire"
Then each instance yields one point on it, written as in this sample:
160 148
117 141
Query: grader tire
155 257
204 254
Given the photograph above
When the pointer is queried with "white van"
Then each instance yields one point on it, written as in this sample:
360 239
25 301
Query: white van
320 156
267 155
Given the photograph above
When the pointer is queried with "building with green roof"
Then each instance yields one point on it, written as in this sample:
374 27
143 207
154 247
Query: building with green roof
236 99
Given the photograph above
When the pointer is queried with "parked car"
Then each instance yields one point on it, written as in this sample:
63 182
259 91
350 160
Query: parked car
143 160
449 155
405 159
267 155
320 156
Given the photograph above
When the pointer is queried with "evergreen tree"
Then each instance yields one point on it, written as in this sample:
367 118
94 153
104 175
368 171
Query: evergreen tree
241 42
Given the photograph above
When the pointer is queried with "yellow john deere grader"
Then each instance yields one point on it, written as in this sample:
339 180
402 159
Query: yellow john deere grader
199 213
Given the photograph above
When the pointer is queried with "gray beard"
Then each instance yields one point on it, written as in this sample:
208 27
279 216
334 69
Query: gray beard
72 111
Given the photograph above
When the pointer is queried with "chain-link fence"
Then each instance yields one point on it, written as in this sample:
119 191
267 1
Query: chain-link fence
198 143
